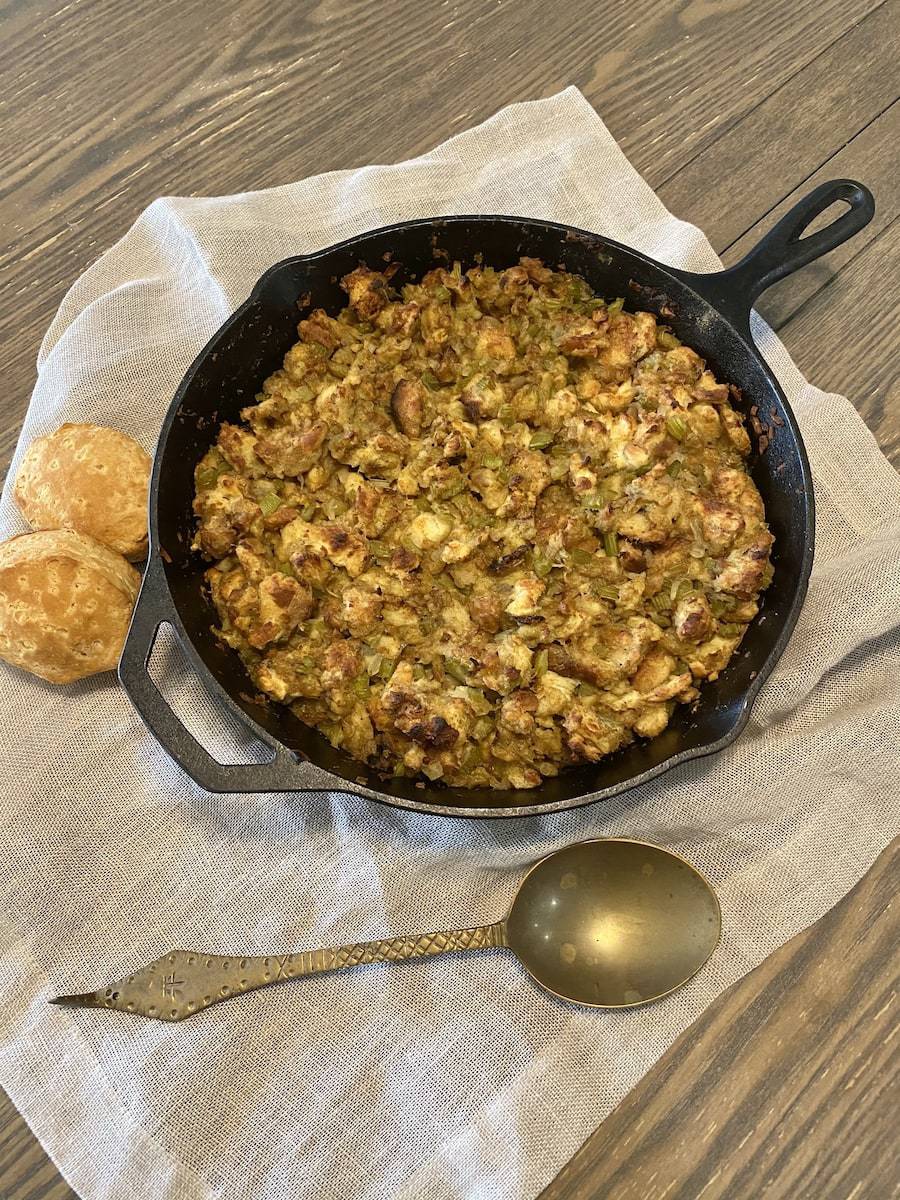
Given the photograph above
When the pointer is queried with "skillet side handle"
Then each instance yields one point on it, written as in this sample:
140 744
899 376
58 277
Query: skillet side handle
784 250
279 774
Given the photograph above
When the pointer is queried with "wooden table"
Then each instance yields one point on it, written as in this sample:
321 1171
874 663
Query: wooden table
730 109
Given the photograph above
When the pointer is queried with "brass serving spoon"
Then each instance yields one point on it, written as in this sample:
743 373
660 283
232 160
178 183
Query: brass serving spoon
608 923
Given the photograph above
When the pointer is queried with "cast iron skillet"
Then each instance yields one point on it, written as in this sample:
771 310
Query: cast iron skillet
709 312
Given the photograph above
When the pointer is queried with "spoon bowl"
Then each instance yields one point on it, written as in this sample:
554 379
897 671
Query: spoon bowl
613 923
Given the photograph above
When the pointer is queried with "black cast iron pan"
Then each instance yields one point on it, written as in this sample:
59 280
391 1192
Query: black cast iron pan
709 312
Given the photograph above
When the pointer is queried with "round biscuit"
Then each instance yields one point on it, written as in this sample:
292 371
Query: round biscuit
90 479
65 604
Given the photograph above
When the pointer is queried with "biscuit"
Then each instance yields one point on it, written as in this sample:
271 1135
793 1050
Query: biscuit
90 479
65 604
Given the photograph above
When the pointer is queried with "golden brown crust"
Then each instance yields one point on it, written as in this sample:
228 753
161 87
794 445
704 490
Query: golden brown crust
89 479
65 603
483 527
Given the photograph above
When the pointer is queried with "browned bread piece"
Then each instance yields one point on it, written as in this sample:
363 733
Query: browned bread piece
90 479
65 603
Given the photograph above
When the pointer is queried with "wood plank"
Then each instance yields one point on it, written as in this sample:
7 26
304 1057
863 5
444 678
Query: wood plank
786 1087
782 141
845 338
26 1173
863 158
640 51
270 92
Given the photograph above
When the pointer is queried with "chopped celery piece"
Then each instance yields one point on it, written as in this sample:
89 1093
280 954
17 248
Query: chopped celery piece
539 440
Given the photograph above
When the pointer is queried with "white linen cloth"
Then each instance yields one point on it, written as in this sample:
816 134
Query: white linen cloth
448 1078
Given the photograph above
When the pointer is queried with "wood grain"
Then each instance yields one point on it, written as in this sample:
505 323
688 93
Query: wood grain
269 92
864 158
785 1087
729 185
26 1173
861 337
731 109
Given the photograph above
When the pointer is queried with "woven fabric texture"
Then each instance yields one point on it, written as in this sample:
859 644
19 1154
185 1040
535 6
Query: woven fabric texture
447 1077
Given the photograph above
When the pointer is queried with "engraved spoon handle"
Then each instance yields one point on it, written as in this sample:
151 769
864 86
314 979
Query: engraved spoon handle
184 982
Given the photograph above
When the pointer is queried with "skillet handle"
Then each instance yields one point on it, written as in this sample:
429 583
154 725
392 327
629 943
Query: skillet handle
784 250
281 773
